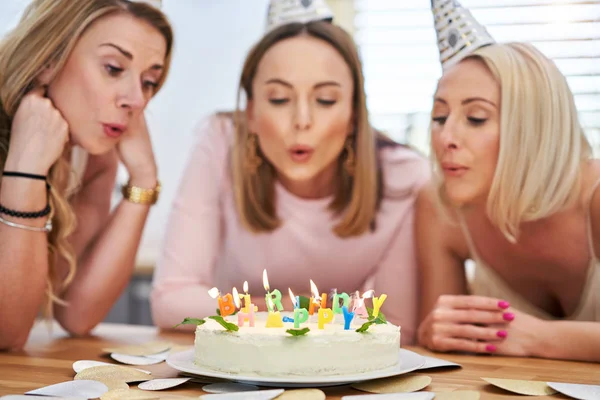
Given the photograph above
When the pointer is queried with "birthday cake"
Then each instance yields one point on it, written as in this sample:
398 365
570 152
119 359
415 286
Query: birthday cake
272 351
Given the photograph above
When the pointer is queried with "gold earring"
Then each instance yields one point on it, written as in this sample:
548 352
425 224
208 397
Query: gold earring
253 160
350 161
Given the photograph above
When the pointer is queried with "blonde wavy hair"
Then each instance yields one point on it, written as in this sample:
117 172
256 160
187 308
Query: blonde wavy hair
358 196
46 35
542 145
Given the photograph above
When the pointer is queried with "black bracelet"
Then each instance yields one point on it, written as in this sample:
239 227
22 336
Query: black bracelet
25 214
24 175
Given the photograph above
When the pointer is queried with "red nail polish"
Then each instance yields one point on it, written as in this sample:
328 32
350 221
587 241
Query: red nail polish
508 316
502 334
490 348
503 304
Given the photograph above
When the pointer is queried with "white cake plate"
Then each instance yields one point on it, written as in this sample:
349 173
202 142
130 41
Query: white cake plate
408 361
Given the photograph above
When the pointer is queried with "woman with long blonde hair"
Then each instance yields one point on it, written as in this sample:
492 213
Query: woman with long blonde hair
75 77
297 183
515 190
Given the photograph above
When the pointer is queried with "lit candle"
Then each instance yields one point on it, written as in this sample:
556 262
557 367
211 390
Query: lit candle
226 305
325 317
347 317
377 303
359 307
272 298
316 300
247 299
337 309
273 317
246 314
295 299
300 314
324 300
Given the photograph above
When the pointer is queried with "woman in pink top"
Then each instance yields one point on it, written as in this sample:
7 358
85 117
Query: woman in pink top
303 188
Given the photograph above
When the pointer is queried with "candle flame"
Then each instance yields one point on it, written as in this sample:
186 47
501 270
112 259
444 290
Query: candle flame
236 297
214 293
265 280
246 287
293 298
368 294
315 292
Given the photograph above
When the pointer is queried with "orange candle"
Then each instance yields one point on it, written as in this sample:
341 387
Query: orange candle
226 305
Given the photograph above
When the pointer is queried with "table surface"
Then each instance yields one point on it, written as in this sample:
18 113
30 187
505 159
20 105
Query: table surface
48 358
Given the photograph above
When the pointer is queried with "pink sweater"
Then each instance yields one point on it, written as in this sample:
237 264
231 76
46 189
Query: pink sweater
207 246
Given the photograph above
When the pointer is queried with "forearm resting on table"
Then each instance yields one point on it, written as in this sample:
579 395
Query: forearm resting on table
570 340
105 270
24 265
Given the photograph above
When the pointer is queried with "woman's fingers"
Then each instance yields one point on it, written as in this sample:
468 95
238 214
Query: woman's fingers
468 331
472 316
444 343
472 302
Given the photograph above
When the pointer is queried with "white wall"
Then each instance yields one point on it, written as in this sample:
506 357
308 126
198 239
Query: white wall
212 38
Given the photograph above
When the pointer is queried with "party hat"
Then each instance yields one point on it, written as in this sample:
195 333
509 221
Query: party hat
458 33
285 11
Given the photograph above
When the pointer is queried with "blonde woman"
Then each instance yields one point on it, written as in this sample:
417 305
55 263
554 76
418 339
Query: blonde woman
299 184
517 191
75 77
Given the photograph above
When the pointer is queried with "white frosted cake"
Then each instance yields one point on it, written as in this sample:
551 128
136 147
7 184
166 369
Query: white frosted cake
273 352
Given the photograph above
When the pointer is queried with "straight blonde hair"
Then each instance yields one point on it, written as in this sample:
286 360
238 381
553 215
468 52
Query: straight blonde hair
358 196
542 145
46 35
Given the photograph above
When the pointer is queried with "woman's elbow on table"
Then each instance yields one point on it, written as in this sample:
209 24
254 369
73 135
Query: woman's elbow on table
13 341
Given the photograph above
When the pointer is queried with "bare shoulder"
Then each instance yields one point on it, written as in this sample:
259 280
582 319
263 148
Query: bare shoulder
439 223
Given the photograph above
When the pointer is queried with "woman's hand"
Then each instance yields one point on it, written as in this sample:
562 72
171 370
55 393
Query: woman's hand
468 323
135 151
38 137
524 335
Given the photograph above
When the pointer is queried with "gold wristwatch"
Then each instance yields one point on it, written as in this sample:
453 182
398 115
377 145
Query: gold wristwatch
140 195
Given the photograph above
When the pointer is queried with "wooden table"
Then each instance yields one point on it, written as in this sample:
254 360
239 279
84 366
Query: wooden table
48 359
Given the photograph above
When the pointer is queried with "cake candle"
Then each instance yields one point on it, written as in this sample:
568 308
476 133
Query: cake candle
316 300
295 299
300 314
359 308
247 298
226 305
377 303
273 317
325 317
273 299
246 314
347 317
337 309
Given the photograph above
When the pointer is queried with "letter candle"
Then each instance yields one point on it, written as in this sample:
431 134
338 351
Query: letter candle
226 305
274 296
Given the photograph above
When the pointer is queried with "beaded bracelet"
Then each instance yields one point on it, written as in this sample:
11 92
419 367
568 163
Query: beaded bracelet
25 214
